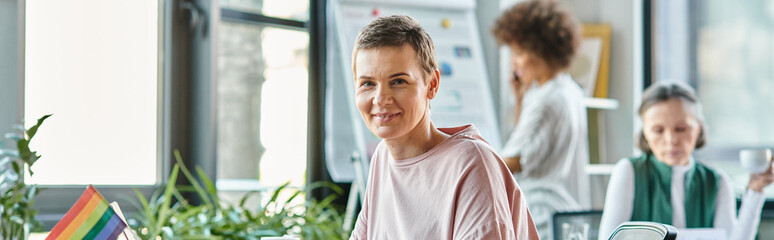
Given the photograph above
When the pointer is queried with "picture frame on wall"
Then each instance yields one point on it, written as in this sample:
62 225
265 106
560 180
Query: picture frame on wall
591 66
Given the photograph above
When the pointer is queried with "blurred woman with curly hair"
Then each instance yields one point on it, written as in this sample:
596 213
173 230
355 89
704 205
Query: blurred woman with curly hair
548 148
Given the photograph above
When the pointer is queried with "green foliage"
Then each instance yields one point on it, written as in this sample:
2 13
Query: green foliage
17 216
160 218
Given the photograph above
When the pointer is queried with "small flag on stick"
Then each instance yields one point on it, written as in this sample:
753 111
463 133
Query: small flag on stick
90 218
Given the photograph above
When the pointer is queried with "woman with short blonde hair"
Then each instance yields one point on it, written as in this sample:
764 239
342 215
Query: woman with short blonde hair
425 182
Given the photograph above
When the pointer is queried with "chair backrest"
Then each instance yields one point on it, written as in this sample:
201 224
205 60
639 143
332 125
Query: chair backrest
566 222
644 231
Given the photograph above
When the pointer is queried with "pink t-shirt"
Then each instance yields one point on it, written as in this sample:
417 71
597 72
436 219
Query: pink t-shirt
460 189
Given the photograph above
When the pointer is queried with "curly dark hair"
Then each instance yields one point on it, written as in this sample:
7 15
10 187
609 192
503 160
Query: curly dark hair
541 27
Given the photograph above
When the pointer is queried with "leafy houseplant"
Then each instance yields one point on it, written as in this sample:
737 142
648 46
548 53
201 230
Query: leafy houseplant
17 217
160 218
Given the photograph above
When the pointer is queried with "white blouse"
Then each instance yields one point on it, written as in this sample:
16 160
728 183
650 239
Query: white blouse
620 198
551 141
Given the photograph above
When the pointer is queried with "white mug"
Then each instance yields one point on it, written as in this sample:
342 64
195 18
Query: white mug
755 160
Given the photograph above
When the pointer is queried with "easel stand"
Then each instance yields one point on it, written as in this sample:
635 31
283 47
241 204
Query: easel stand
356 190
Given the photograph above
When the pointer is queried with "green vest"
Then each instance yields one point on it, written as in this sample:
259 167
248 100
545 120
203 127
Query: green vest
653 188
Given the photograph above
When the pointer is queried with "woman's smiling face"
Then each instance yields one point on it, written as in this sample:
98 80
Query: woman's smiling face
391 90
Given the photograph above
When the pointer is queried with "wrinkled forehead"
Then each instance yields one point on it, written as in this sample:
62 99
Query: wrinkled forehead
402 58
675 109
405 49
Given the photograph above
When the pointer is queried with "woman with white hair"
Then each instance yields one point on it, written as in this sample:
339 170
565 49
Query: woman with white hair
667 185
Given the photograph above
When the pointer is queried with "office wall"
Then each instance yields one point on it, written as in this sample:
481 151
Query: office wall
625 79
486 13
625 82
9 66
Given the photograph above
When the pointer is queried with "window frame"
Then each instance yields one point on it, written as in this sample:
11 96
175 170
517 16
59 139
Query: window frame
650 57
649 9
53 201
186 92
238 16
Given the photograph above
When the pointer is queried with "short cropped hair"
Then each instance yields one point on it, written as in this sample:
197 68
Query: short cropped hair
665 91
396 31
542 28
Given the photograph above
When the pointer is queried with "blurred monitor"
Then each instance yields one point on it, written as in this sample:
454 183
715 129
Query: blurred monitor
578 223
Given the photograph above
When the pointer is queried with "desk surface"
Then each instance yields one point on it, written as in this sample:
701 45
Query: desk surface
38 236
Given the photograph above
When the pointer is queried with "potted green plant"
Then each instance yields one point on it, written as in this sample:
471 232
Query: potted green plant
168 215
17 216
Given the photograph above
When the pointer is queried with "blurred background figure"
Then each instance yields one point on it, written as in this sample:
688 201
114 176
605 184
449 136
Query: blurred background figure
667 185
548 148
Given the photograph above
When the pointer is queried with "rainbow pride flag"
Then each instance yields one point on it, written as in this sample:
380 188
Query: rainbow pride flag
90 218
